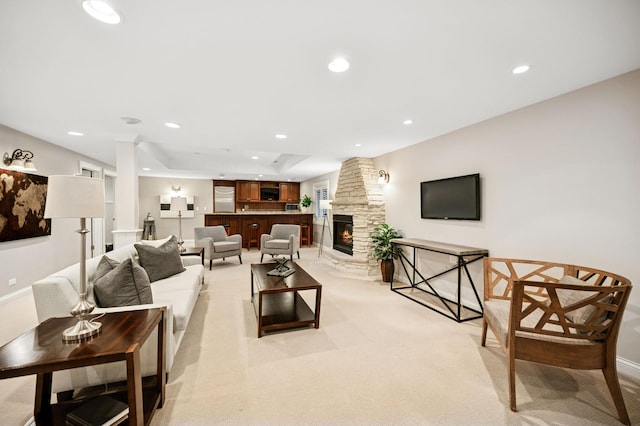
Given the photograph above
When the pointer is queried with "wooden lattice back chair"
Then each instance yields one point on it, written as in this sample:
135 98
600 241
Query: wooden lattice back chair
556 314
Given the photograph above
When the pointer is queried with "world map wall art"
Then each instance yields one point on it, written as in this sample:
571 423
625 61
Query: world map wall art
22 199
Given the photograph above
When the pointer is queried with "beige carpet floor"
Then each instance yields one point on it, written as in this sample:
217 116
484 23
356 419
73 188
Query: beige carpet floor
377 359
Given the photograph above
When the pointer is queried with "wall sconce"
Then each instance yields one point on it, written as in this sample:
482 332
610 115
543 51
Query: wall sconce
176 190
383 177
19 160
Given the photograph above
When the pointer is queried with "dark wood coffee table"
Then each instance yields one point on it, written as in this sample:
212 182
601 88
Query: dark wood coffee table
41 351
277 302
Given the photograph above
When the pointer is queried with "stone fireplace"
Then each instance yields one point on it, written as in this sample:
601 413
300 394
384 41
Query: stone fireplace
359 196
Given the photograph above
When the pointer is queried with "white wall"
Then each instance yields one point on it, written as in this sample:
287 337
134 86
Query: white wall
150 189
31 259
560 182
306 187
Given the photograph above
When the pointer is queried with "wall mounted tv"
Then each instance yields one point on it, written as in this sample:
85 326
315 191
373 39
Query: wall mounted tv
269 194
451 198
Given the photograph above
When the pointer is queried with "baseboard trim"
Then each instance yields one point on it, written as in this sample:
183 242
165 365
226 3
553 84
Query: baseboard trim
15 295
628 368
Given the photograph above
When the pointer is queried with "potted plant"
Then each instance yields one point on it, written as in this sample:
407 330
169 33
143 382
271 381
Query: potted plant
383 250
305 202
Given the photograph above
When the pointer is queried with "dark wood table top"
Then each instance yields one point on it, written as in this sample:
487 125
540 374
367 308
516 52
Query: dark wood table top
42 349
192 251
299 280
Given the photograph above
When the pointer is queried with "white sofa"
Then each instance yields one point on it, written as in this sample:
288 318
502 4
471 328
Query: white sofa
56 294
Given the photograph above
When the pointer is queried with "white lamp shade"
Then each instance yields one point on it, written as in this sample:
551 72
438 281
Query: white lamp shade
17 165
29 166
74 196
178 204
325 204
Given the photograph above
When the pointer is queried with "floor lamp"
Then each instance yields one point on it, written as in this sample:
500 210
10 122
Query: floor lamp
179 204
77 197
326 206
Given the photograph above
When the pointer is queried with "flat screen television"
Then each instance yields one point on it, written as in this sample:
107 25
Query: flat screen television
269 194
452 198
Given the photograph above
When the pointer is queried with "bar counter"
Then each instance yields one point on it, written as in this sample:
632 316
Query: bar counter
238 223
260 213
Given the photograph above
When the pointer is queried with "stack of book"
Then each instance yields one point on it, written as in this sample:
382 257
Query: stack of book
100 411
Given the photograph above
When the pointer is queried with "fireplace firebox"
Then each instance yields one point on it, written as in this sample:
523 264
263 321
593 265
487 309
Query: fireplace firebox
343 233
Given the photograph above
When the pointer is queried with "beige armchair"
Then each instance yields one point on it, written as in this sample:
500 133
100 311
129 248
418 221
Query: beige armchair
556 314
284 239
216 243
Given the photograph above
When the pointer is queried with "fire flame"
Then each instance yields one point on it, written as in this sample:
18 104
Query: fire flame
346 237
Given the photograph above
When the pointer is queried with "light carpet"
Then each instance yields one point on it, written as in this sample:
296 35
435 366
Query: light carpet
377 359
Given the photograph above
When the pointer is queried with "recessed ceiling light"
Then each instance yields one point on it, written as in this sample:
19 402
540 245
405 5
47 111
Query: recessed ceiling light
146 169
281 136
520 69
72 133
260 175
407 122
339 65
172 125
358 145
101 11
255 157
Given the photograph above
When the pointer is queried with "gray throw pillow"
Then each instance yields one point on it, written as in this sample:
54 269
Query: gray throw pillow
162 261
105 265
121 284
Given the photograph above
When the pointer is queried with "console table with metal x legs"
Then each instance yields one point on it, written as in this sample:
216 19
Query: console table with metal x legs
436 301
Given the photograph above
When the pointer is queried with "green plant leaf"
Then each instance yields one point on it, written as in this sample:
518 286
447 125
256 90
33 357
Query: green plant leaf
305 201
381 247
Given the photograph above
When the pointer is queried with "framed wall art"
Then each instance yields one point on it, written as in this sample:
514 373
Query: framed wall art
22 200
167 213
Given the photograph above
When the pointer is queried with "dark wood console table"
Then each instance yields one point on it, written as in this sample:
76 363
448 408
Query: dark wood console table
453 309
41 351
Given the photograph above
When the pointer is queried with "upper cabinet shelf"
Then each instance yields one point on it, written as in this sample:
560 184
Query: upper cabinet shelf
290 192
267 192
247 191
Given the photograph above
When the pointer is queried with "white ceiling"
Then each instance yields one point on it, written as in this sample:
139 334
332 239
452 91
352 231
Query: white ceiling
235 73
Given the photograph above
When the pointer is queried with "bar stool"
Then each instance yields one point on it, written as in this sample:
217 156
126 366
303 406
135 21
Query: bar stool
227 228
305 234
254 235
